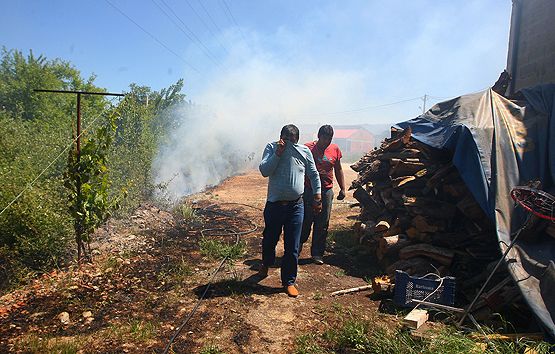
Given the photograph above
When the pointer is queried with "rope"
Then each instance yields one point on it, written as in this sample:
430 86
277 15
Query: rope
226 233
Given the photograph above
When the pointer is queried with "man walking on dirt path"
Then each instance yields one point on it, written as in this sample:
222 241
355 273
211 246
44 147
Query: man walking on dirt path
328 160
285 163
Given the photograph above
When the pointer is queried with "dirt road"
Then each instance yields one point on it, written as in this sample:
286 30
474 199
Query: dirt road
270 318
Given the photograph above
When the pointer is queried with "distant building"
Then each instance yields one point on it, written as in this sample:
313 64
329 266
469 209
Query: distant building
531 56
353 140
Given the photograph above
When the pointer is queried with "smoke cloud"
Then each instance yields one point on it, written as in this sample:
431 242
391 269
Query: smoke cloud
238 112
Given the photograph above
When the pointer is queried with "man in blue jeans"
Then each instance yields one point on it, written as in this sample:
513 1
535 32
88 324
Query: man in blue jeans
285 163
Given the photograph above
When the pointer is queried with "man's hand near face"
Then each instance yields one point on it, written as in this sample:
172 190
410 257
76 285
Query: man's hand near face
280 147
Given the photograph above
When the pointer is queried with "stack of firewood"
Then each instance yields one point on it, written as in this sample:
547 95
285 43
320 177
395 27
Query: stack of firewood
417 213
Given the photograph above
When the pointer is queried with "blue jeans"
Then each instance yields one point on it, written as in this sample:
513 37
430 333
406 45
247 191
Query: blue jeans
321 221
289 217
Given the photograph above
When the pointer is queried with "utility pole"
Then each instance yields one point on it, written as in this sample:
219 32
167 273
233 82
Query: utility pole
78 142
424 105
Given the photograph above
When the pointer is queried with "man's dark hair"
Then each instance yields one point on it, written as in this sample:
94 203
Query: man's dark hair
325 130
290 132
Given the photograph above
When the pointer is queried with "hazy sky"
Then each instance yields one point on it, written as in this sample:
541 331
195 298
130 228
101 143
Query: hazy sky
306 61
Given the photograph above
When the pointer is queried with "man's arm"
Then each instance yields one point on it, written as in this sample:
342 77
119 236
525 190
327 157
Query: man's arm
314 177
338 169
269 161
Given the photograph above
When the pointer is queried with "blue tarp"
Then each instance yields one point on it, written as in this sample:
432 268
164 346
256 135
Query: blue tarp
498 144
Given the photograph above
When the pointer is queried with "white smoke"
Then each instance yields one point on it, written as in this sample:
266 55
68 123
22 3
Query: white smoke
239 111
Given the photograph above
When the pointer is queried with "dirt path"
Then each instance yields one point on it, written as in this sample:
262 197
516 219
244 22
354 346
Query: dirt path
277 319
150 271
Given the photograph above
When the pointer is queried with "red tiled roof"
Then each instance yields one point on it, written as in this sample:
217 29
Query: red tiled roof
343 133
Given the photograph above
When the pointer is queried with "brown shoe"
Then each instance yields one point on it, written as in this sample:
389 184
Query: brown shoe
291 290
263 271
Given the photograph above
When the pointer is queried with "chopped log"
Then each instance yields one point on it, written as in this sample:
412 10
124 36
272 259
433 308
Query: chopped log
438 176
399 181
387 200
381 226
415 318
437 210
413 266
470 208
375 170
391 244
366 201
402 168
422 225
442 255
452 239
397 144
404 154
413 233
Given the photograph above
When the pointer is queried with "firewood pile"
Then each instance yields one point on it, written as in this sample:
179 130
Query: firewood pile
417 213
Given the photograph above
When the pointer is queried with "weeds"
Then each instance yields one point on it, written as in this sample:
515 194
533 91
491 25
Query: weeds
317 296
352 334
211 349
176 272
32 343
217 249
308 344
135 330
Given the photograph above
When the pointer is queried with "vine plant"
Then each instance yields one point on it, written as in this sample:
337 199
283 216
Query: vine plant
87 180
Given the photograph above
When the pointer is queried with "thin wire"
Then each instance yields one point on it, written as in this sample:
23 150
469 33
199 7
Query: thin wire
356 109
218 29
235 22
153 37
29 185
194 37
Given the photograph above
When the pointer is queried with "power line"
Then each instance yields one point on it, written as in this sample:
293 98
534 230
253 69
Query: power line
29 185
206 25
356 109
233 20
193 37
153 37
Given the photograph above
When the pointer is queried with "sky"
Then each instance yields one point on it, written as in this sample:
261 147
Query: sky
339 62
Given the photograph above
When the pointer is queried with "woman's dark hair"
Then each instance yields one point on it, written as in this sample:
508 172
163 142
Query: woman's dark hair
325 130
290 132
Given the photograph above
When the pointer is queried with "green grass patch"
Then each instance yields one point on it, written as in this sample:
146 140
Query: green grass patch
32 343
134 330
211 349
187 212
352 334
176 272
216 249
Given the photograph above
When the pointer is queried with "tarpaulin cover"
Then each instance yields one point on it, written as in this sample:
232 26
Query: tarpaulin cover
498 144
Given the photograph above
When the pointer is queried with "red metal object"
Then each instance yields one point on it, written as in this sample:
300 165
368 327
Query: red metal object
538 202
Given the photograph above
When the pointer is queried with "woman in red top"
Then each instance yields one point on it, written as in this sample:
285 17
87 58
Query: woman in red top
327 157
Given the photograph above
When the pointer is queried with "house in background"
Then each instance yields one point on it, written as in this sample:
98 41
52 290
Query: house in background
353 140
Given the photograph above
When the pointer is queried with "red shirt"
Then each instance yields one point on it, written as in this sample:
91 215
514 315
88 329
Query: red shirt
325 161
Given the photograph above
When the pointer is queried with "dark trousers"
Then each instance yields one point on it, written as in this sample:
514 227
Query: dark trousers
288 217
320 221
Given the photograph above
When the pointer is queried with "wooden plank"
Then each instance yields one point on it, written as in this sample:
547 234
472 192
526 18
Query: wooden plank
415 318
